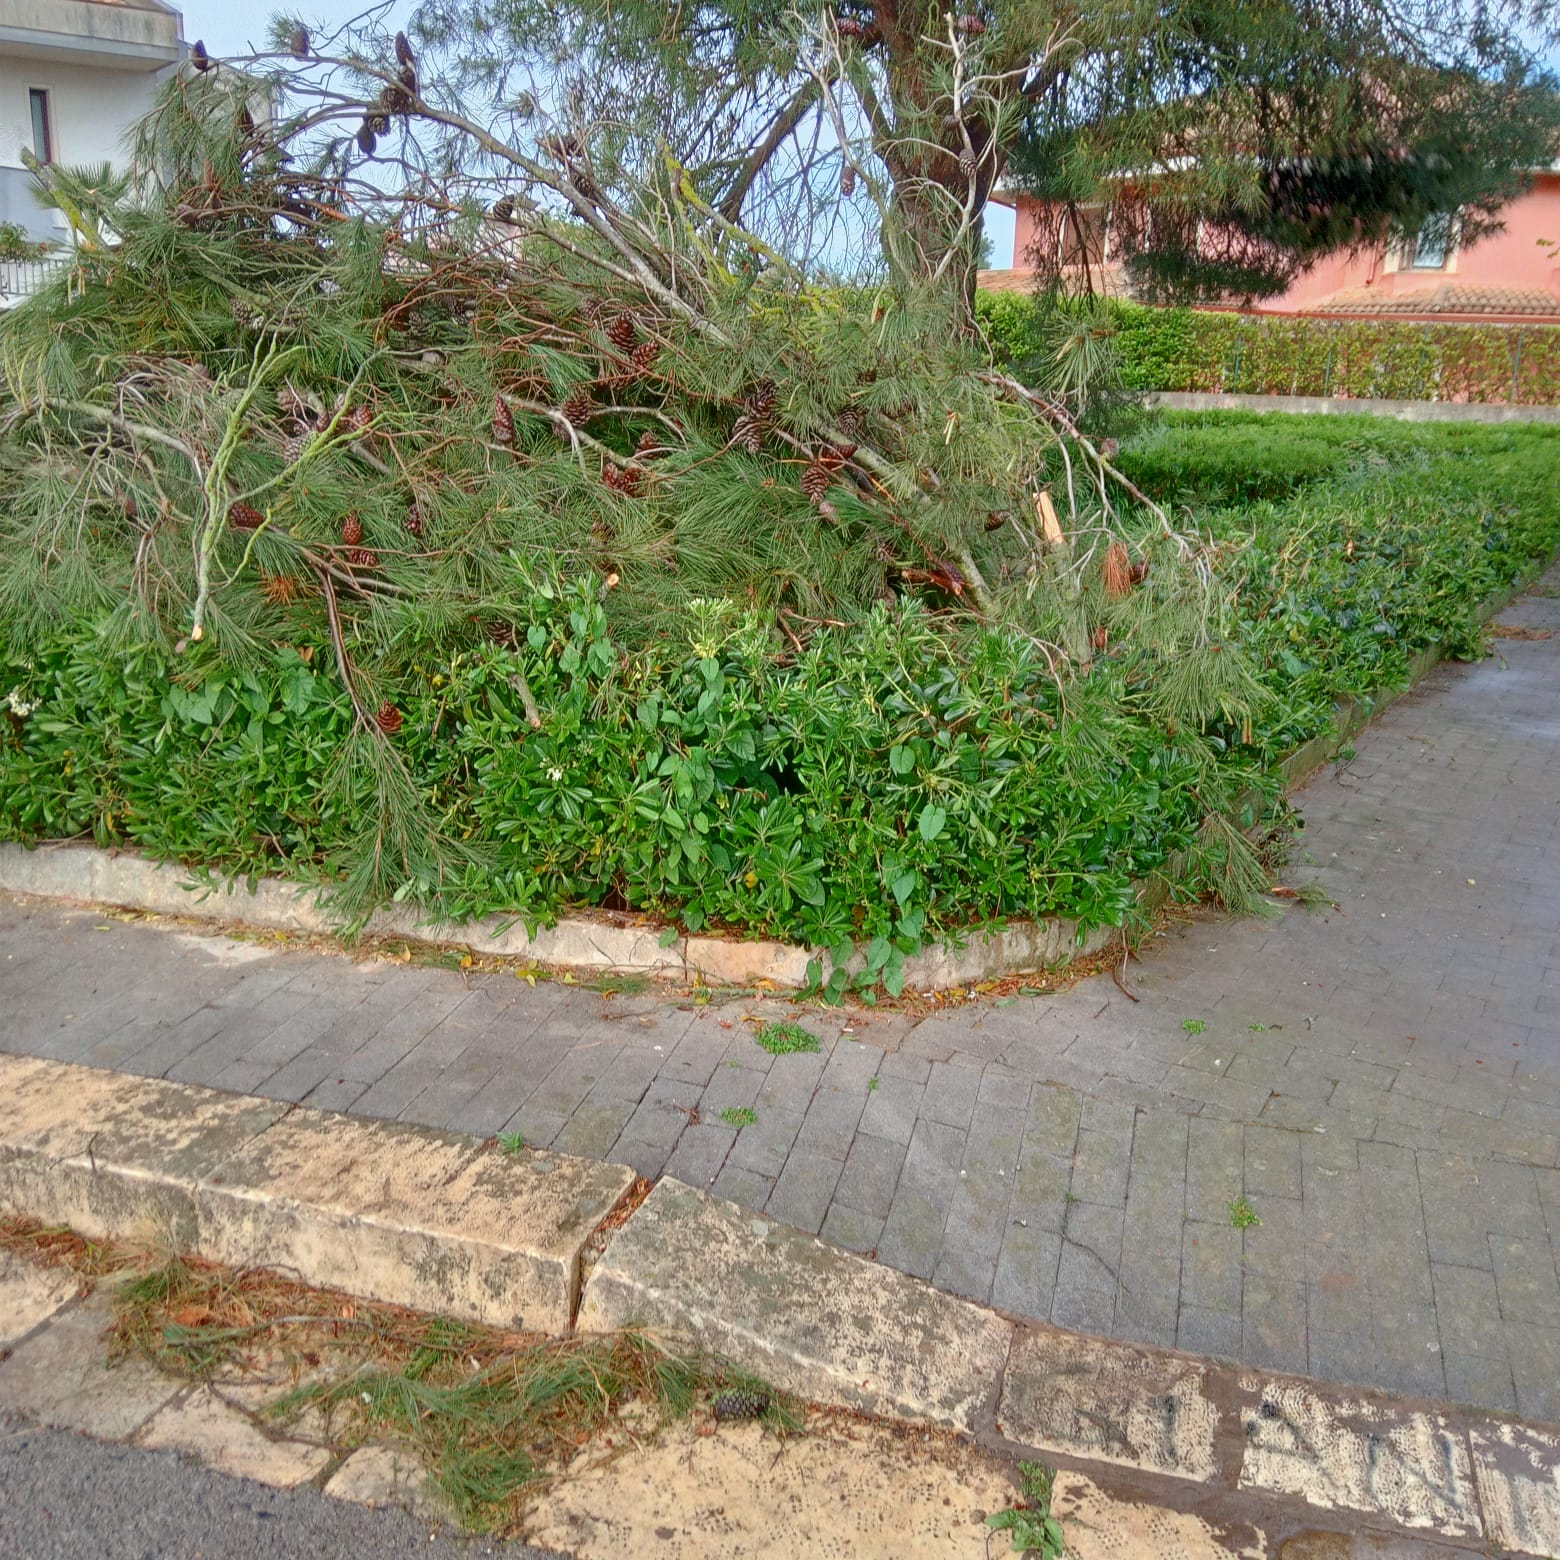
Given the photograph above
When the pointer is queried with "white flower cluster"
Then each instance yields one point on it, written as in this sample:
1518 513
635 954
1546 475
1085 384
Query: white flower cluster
17 705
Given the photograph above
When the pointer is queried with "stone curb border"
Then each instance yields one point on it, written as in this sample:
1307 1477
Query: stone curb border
621 945
453 1225
1347 406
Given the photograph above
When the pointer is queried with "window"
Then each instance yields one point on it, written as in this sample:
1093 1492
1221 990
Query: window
1428 250
42 131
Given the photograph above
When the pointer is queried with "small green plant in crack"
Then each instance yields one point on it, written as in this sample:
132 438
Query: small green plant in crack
511 1142
1314 897
872 1085
739 1116
1257 1029
1242 1215
1193 1026
1032 1527
785 1039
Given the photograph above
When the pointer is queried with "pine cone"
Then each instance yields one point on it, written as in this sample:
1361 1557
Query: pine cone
245 517
851 423
815 481
968 165
748 433
299 43
649 446
850 28
848 180
414 520
504 207
292 402
627 480
295 446
503 421
199 58
352 530
403 50
368 142
762 399
970 26
363 558
361 417
644 355
995 520
395 99
389 719
577 405
740 1404
623 332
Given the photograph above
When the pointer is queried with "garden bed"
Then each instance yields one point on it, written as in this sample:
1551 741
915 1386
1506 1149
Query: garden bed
888 792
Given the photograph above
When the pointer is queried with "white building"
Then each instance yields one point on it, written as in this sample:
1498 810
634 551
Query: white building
75 75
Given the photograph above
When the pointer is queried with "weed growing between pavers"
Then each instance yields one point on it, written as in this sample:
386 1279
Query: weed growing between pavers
511 1142
1032 1527
1242 1215
491 1415
1194 1026
739 1116
784 1038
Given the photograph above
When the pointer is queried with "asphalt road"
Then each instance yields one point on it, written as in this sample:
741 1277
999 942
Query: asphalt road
63 1497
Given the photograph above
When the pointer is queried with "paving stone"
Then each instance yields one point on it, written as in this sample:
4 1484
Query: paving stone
60 1377
803 1191
202 1425
593 1128
851 1229
1216 1334
746 1187
1025 1279
29 1296
701 1151
1211 1272
766 1145
1525 1276
950 1094
871 1174
830 1122
1273 1322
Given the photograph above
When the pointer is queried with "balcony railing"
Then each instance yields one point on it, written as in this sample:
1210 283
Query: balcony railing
21 278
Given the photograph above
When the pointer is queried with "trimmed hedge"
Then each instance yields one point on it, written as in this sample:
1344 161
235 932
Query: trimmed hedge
891 785
1247 354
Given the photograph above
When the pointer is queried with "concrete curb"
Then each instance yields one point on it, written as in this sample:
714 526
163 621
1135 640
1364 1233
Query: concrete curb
451 1225
614 945
812 1319
619 945
383 1210
1346 406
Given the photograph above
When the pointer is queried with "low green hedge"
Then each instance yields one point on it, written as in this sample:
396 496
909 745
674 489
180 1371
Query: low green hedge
1203 350
890 785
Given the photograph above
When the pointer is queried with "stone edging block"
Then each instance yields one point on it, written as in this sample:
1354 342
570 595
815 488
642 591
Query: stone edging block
391 1212
816 1321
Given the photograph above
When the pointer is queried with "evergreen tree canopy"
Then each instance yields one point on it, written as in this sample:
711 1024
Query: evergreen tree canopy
1295 127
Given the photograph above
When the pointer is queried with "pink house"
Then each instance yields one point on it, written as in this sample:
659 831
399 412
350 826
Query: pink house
1513 275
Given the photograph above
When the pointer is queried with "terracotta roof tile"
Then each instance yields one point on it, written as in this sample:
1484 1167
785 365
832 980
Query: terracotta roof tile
1442 298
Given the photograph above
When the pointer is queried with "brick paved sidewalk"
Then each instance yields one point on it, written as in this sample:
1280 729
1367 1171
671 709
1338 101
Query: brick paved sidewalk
1381 1082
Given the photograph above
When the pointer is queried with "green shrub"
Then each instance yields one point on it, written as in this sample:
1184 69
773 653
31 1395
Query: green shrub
892 784
1249 354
